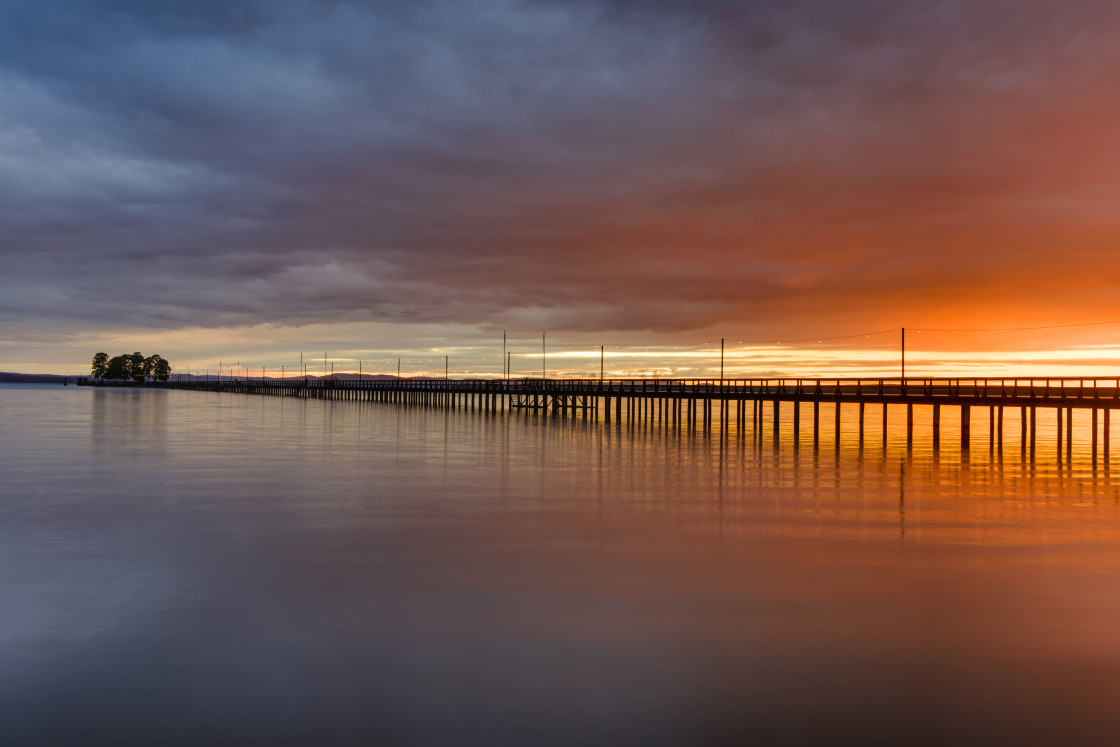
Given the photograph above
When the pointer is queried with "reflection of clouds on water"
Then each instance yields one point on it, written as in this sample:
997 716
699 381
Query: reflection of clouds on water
287 571
114 593
129 422
80 595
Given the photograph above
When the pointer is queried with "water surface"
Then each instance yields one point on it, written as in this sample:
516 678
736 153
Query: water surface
190 567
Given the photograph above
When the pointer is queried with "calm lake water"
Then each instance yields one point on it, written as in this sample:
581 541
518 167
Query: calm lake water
200 568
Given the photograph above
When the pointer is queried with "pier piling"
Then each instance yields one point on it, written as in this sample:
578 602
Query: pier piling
662 405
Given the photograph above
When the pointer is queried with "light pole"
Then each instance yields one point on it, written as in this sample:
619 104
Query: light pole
904 352
544 357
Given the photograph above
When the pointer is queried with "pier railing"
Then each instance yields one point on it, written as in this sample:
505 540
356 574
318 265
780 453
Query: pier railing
1037 391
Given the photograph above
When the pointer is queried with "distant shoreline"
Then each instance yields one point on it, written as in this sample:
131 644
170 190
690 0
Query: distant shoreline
18 378
21 378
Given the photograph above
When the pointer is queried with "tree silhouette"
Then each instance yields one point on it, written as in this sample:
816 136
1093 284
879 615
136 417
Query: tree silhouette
136 368
118 368
156 367
100 364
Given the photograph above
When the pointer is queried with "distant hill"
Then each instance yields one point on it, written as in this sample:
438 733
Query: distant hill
18 378
309 377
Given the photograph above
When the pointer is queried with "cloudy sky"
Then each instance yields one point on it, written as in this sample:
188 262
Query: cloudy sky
238 179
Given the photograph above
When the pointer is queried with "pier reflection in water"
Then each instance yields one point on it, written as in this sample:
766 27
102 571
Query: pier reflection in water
282 570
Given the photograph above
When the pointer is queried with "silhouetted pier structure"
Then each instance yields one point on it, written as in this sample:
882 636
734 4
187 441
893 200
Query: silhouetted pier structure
764 402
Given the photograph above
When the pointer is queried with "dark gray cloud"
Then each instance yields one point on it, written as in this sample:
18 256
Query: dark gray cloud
583 165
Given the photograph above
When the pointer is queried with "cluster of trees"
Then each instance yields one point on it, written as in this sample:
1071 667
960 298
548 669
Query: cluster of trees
135 367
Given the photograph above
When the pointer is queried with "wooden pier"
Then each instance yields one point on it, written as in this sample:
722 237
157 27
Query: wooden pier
689 402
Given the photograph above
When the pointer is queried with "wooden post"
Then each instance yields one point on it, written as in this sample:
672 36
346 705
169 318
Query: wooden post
1069 434
909 425
999 429
966 427
1034 430
816 423
1104 446
777 421
884 426
936 426
796 424
1058 413
991 428
1094 436
837 426
861 408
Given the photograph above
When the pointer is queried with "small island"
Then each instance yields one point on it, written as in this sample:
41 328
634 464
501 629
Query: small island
135 367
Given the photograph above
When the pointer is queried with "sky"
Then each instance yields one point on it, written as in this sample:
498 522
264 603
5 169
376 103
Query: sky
249 181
